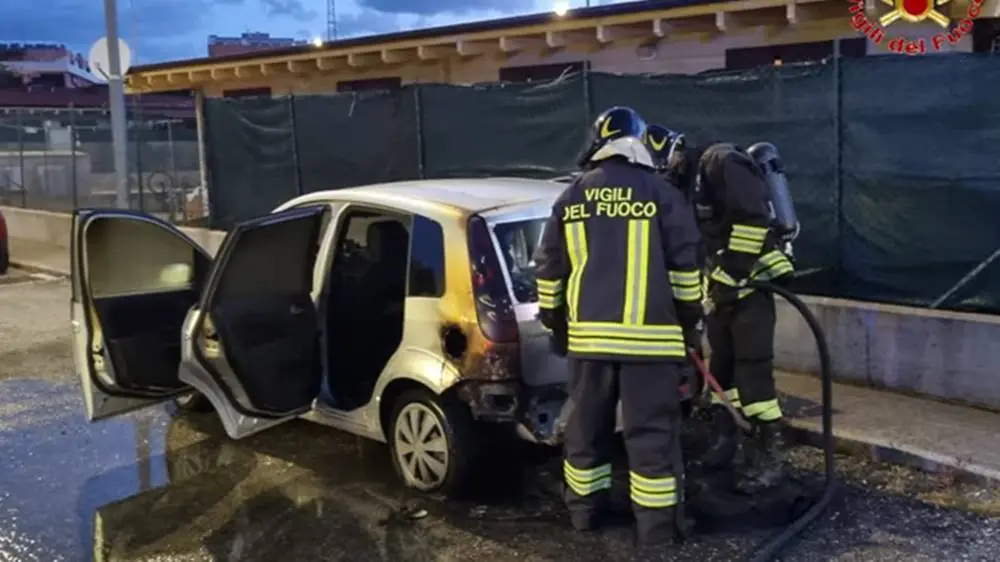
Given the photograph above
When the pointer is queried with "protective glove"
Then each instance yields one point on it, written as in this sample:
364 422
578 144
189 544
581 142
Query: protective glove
722 296
693 337
555 323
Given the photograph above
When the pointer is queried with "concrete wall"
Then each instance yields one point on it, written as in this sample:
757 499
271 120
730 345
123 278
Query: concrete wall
948 355
53 229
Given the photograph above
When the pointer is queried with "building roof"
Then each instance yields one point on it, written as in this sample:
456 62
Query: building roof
457 195
585 30
457 29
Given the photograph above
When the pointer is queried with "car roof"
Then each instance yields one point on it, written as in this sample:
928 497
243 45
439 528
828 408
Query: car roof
463 196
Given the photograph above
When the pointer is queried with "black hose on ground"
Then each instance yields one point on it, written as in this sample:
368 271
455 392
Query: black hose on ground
770 549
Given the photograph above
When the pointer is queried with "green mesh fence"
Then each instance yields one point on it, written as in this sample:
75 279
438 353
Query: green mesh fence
251 154
889 158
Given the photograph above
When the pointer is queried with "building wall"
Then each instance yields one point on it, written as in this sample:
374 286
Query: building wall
683 55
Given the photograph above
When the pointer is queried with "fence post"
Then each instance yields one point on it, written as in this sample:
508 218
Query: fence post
838 158
138 122
587 100
203 172
419 122
295 144
173 187
20 158
72 152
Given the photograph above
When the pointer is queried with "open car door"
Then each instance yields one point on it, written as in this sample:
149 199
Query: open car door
252 345
134 279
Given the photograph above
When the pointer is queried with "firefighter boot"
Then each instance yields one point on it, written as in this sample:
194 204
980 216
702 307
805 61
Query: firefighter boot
723 443
654 539
765 463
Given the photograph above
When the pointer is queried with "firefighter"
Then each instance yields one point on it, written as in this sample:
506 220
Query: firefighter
734 208
666 146
616 268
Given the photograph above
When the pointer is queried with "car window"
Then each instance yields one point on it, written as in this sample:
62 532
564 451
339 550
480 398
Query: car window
518 241
272 259
355 254
426 258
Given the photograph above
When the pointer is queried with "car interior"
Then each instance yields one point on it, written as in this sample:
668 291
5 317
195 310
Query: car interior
364 302
138 306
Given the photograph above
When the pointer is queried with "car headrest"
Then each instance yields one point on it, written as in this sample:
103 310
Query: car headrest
385 237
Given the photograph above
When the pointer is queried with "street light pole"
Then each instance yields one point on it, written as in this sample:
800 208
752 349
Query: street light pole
116 104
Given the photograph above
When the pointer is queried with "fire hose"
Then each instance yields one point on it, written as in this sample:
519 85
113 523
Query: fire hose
769 549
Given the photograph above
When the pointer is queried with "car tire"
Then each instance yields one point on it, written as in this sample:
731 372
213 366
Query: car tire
451 440
194 402
4 259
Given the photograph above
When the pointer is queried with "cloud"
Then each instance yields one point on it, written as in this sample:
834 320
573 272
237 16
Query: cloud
153 28
289 8
434 7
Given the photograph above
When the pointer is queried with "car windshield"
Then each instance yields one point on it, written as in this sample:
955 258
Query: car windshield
518 241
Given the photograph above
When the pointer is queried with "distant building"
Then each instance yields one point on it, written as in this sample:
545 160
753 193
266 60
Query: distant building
250 42
40 66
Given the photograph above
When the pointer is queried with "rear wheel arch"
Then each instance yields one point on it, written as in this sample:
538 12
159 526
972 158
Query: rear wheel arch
390 395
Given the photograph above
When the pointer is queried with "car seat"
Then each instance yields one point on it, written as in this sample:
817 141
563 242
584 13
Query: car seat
378 323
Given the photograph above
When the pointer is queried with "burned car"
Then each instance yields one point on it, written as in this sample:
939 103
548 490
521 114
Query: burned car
402 312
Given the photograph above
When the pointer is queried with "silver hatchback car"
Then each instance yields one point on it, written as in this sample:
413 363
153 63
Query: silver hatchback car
402 312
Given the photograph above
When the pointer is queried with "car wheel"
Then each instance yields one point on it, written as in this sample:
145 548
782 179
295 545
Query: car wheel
194 402
433 443
4 260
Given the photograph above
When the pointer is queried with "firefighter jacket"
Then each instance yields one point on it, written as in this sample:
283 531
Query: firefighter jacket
733 204
618 260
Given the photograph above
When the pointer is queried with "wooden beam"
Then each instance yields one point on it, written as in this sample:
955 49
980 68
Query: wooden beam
221 73
808 12
584 40
696 24
468 49
391 56
247 71
517 44
330 63
298 67
744 19
358 60
436 52
611 33
197 76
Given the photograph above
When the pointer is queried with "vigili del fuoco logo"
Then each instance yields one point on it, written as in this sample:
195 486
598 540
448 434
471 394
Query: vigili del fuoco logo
913 11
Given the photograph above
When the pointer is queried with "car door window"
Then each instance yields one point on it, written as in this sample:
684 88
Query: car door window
426 258
289 267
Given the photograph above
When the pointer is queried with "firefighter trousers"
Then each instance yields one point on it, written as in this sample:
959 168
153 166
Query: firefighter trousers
741 337
651 418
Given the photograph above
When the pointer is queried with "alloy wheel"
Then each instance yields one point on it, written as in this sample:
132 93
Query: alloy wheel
421 447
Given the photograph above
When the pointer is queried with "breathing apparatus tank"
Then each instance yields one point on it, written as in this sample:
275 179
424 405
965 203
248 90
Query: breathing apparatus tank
783 216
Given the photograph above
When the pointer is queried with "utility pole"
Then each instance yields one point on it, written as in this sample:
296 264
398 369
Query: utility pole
116 104
331 20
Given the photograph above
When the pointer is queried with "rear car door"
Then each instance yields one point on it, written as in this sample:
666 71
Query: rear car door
252 344
134 279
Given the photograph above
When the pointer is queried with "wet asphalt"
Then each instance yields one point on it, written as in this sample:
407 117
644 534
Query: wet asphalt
163 486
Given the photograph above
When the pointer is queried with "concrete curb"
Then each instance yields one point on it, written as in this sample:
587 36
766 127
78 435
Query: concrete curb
859 445
34 267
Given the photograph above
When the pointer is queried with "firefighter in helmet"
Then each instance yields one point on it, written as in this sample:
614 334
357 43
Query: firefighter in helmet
617 270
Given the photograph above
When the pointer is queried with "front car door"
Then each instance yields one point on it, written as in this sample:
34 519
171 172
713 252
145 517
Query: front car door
252 345
134 279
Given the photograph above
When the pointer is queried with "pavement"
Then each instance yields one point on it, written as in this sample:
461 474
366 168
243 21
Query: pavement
159 485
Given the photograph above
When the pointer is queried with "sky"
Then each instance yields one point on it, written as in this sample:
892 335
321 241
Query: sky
161 30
